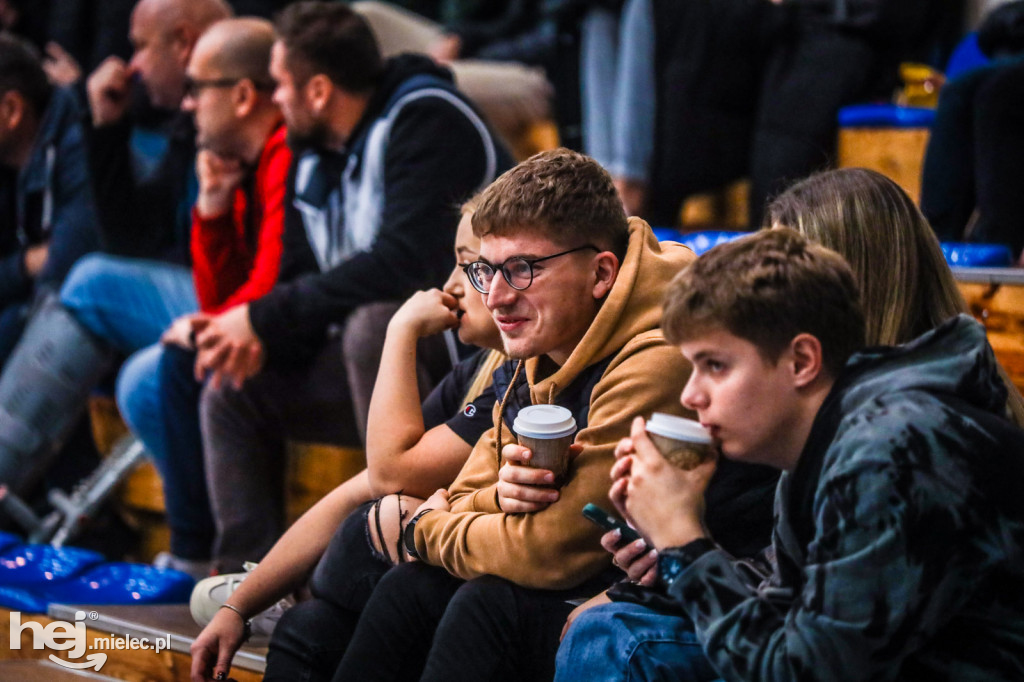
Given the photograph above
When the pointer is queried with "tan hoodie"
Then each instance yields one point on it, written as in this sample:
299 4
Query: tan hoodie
556 548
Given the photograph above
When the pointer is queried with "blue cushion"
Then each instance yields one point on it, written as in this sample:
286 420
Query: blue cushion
112 583
700 242
123 583
885 116
22 599
8 540
977 255
28 565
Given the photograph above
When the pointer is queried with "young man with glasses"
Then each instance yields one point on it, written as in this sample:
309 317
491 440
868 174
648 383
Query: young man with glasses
480 592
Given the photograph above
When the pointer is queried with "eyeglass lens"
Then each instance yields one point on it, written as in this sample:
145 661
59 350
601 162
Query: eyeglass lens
517 271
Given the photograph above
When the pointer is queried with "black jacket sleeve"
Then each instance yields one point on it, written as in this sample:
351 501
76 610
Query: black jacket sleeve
14 283
435 159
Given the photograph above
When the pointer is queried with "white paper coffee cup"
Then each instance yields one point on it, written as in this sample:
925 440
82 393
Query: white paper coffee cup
547 431
683 442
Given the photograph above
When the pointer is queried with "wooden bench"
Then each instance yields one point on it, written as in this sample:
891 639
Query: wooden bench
895 152
539 136
171 623
25 670
1000 307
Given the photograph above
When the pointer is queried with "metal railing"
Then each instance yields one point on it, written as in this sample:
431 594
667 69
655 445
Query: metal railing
1014 276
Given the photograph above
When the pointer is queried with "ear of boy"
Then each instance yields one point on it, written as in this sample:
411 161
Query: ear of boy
805 359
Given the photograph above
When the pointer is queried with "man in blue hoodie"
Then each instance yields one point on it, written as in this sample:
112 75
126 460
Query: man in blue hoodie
46 201
899 523
385 151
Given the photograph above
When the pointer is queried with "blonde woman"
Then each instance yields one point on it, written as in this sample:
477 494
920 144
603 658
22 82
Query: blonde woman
906 286
411 447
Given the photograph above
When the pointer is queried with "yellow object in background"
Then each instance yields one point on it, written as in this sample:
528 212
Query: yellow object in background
921 85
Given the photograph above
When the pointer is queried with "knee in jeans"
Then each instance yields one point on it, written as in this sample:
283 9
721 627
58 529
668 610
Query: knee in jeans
135 377
85 280
598 622
486 592
384 523
303 626
349 569
213 402
403 583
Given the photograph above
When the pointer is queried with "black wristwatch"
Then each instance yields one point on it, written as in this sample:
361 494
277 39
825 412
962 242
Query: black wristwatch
409 535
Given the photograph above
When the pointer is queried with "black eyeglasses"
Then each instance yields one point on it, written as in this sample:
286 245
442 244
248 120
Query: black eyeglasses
517 271
193 86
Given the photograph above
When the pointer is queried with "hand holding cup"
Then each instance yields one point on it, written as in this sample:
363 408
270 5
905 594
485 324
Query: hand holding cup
547 431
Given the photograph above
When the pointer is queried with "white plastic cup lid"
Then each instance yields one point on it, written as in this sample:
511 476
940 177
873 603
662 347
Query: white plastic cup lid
678 428
544 421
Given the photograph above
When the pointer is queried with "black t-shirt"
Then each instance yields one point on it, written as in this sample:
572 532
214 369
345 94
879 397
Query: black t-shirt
444 404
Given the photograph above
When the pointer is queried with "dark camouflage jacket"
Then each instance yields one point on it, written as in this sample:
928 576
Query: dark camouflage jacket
898 538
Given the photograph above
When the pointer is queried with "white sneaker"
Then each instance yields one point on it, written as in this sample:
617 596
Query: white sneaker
210 593
198 569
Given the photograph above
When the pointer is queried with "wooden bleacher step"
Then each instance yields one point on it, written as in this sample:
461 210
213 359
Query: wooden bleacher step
1001 309
44 671
151 622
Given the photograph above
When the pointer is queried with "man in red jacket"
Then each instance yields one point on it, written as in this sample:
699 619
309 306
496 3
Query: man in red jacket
237 221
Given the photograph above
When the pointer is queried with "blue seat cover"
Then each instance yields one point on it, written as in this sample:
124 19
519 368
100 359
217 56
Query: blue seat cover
885 116
666 234
123 583
977 255
22 599
111 583
700 242
28 565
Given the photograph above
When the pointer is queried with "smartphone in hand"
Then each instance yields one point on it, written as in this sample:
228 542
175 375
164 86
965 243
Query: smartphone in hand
610 522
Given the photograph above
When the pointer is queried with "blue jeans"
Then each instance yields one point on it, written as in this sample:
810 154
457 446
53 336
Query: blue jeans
617 88
129 303
159 398
625 641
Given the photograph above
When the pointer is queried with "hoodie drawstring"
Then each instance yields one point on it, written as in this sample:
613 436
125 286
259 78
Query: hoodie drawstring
501 406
